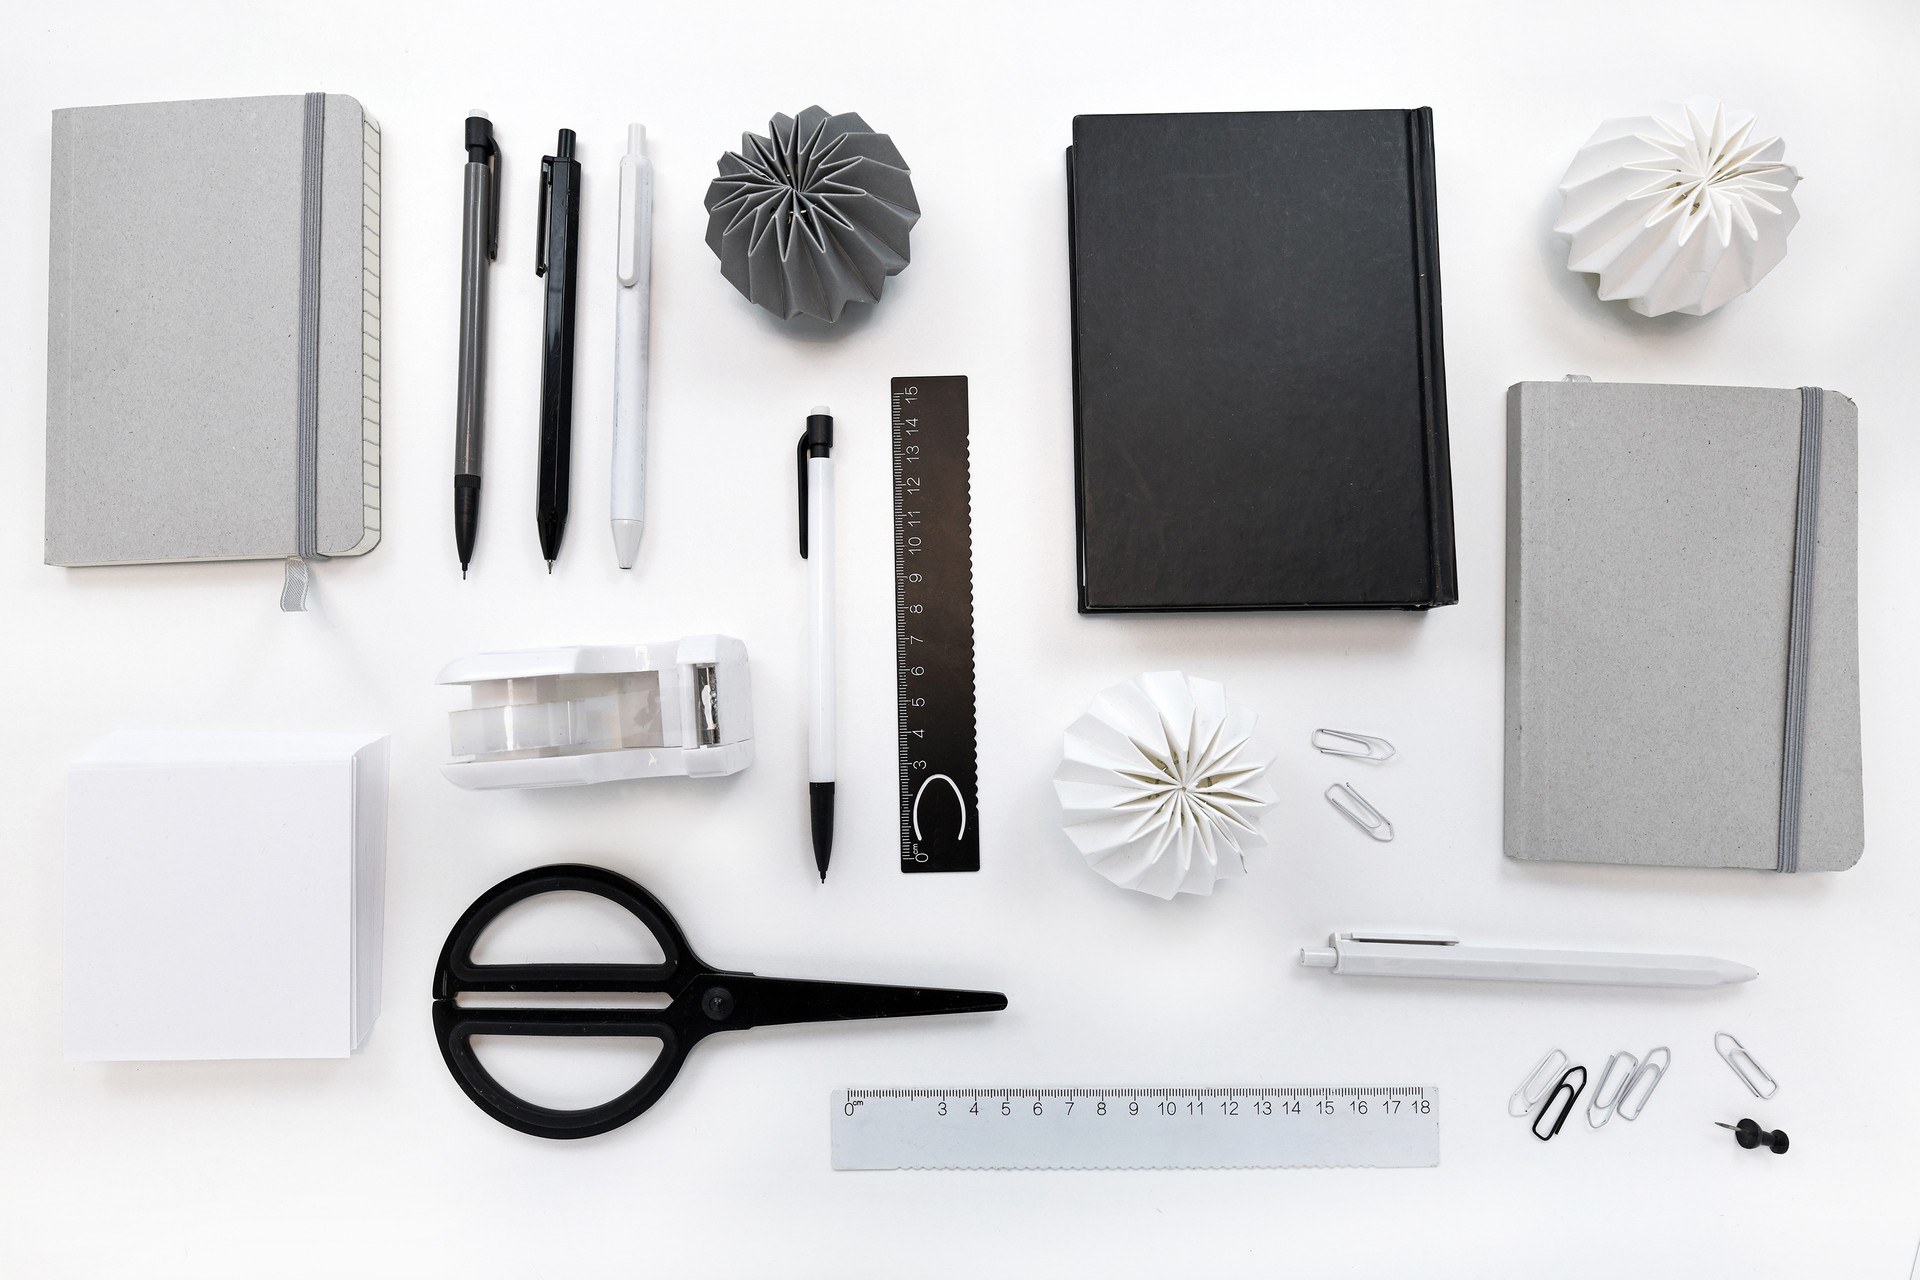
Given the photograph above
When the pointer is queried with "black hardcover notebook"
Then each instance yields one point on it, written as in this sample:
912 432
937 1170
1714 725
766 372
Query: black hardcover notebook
1259 401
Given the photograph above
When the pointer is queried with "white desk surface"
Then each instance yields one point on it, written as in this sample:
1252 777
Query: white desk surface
378 1166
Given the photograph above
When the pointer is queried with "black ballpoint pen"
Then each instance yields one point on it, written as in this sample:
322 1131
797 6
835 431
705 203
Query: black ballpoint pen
479 244
559 237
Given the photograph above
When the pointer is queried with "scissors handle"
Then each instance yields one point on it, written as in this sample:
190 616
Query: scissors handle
455 1028
457 971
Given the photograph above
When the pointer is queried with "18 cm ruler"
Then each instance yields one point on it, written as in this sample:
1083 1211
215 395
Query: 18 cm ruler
933 626
1303 1126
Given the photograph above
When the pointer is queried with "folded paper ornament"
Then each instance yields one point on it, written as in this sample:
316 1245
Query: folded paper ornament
1682 209
1163 785
812 217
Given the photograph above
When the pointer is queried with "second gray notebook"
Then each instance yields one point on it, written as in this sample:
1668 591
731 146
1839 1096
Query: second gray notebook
1652 556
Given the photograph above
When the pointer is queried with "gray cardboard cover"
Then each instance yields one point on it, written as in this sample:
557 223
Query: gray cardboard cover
1649 571
173 310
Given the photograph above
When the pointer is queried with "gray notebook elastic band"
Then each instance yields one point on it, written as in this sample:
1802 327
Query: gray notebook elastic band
293 589
1799 623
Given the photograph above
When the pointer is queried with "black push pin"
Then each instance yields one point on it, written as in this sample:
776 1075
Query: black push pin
1750 1135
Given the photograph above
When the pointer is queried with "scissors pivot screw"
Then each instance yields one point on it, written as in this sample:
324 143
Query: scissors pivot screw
718 1003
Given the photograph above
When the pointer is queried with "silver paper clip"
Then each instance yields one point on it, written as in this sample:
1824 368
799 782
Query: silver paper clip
1538 1081
1354 807
1602 1101
1753 1075
1351 746
1650 1072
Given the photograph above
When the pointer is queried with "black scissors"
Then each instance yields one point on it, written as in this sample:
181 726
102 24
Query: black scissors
703 1000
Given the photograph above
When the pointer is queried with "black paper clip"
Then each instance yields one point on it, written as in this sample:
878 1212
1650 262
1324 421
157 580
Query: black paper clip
1553 1104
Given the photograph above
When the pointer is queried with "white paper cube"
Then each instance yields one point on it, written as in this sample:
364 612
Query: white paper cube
224 895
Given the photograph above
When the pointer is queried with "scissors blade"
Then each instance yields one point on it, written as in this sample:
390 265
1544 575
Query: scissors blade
768 1002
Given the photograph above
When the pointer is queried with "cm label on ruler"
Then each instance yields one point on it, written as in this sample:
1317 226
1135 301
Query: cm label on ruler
933 626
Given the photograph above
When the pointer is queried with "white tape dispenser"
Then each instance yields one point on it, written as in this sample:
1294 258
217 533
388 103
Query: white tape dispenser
602 713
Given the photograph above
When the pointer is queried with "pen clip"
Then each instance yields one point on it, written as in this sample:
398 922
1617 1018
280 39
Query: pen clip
546 199
629 259
1401 939
800 458
815 442
493 222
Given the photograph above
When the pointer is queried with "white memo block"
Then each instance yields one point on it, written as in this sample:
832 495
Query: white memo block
223 895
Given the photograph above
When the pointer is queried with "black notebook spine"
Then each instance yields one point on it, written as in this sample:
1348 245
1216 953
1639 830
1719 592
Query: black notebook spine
1433 376
1079 466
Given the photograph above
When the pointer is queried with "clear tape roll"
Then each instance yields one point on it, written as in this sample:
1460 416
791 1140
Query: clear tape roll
584 724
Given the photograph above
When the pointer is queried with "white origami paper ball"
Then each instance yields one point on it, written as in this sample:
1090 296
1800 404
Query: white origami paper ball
1162 785
1681 209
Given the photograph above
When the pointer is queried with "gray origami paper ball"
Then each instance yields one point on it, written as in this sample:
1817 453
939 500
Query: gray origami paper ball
814 217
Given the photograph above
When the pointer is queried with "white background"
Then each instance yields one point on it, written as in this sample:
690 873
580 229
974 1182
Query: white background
377 1165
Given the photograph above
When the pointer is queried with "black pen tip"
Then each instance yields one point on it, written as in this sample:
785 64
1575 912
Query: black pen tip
549 566
820 802
463 573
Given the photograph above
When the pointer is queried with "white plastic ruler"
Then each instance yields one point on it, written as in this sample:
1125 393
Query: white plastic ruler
1296 1126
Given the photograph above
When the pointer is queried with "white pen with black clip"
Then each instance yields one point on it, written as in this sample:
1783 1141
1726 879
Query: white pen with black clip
815 456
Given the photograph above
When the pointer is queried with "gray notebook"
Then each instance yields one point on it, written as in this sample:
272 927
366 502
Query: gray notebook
1683 676
213 338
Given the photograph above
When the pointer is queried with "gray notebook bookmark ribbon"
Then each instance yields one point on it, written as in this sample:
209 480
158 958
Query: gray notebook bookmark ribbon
293 588
1799 625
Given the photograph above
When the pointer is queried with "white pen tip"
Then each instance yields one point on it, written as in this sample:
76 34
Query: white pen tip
636 139
480 114
549 566
626 541
820 410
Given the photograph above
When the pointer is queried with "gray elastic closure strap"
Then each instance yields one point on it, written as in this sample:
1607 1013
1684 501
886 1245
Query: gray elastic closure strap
293 589
1799 623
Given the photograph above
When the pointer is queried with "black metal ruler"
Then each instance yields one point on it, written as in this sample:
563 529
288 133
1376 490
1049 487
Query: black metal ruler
933 626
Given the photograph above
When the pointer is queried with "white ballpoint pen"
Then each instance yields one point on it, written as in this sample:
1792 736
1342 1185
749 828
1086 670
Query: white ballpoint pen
1439 955
631 306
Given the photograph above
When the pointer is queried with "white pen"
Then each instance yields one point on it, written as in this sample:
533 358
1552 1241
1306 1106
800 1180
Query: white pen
815 454
1439 955
631 305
